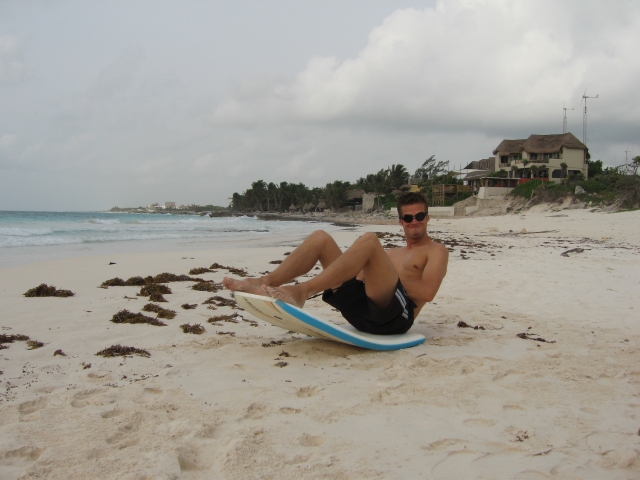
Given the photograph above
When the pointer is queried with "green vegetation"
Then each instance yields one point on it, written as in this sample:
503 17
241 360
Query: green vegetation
620 186
263 196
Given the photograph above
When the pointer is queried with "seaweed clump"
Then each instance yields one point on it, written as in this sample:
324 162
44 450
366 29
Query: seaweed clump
189 306
236 271
207 287
200 270
138 281
44 290
162 312
224 318
154 288
118 282
122 351
196 329
125 316
157 297
219 301
11 338
33 344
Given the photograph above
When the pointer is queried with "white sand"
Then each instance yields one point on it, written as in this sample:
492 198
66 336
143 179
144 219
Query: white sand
467 404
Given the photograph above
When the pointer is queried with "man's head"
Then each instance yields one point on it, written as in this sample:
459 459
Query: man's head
413 210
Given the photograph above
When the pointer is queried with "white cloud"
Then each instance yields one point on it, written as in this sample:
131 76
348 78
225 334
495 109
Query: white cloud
7 140
486 66
11 59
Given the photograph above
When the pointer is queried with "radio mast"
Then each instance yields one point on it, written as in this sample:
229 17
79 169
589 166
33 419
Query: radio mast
584 117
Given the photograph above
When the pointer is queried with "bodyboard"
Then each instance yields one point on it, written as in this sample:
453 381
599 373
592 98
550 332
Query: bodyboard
281 314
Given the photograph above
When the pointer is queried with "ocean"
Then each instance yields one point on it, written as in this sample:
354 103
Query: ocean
27 237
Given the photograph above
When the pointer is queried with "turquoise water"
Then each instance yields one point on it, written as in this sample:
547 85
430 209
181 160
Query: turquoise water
36 236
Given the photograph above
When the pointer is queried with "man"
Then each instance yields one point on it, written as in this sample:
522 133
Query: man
376 291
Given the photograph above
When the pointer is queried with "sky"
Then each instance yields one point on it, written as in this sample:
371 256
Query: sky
127 103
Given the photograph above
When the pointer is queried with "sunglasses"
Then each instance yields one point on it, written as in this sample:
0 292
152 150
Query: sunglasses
409 218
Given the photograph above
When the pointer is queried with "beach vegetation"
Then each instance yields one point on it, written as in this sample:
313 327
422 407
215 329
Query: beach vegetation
162 312
122 351
196 329
125 316
44 290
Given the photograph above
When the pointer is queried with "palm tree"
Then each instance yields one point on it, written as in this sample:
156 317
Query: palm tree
398 175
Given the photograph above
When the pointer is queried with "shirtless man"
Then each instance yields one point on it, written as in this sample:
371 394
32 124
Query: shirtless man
376 291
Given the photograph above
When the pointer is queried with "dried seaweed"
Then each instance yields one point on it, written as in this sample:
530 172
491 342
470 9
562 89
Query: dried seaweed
33 344
224 318
219 301
207 287
200 270
530 336
162 312
273 343
125 316
149 280
157 297
13 338
275 262
154 288
462 324
236 271
43 290
189 306
196 329
232 334
59 352
281 364
122 351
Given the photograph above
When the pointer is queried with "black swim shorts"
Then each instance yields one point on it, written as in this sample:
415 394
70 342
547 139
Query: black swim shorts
354 305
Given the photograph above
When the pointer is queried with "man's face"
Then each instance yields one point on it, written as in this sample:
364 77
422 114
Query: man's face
414 229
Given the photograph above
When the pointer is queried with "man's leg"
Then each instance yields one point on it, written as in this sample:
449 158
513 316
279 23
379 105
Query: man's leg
319 246
366 254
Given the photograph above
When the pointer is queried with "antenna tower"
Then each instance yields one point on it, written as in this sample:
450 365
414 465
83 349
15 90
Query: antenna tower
584 117
564 120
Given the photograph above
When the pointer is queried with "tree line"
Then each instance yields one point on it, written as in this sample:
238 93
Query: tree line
277 197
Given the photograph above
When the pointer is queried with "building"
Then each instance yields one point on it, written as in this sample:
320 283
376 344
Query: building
552 157
539 157
169 205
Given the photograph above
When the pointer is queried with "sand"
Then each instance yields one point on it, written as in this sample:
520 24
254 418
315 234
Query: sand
467 404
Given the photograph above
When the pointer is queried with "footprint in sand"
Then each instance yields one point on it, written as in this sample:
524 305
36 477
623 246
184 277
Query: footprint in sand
27 408
307 440
510 406
289 410
444 443
305 392
20 457
149 395
478 422
81 399
255 410
111 413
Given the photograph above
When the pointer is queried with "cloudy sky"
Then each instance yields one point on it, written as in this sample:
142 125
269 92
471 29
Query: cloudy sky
128 103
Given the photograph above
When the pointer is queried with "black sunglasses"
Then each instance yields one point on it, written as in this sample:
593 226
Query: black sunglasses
409 218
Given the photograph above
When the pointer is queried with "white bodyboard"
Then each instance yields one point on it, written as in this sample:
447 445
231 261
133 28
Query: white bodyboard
289 317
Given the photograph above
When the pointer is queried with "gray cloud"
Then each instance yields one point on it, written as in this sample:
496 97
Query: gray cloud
11 59
162 105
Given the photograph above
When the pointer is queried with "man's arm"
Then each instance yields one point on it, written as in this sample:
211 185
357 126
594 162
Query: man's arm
426 288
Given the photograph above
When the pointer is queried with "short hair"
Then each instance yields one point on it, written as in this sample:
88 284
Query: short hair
411 198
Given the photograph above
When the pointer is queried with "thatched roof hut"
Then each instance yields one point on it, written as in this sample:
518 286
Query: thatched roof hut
321 206
293 208
540 144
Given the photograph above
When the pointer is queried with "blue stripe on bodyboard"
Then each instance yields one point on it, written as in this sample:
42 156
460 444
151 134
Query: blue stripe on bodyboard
342 334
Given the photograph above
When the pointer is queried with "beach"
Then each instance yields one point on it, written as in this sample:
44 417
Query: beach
542 382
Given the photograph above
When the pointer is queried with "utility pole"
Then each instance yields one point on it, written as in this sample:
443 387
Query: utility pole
584 117
626 153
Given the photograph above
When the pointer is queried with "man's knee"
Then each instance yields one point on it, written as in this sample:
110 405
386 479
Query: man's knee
369 237
320 235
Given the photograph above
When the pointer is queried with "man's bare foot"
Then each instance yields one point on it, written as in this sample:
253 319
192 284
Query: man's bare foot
288 294
247 285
